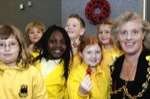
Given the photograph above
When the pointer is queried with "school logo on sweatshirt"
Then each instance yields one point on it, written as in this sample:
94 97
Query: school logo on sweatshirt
23 92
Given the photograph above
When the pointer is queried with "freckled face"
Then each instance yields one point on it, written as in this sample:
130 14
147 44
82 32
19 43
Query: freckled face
91 54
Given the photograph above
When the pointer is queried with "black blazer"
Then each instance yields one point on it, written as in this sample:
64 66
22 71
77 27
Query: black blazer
133 86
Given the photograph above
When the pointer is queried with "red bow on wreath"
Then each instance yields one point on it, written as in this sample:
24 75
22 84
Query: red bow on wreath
97 10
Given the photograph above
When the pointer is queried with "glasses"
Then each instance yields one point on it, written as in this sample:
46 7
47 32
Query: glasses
8 44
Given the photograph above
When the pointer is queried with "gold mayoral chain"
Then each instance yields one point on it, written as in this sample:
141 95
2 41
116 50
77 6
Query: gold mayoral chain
144 85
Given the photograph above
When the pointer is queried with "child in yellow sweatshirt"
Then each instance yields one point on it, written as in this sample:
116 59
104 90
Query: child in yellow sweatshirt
18 79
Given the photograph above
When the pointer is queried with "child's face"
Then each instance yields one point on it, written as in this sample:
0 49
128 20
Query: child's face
56 45
74 28
35 35
9 50
91 54
104 34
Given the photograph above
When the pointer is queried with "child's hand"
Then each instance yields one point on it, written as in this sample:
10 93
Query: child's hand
85 85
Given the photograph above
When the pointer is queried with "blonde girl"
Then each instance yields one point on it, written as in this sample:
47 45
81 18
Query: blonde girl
34 31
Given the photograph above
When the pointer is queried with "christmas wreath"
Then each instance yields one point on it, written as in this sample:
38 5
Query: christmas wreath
97 10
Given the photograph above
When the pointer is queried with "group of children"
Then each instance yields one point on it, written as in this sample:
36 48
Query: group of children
57 62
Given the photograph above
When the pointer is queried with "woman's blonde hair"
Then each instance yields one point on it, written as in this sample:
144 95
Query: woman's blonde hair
24 57
130 16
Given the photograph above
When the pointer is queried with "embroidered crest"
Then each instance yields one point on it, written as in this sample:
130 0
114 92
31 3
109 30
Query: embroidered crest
23 92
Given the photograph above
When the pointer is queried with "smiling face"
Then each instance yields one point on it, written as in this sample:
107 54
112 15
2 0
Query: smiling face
56 45
74 28
35 34
9 50
104 34
91 55
131 36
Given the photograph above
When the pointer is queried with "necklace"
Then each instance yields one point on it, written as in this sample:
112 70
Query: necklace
125 91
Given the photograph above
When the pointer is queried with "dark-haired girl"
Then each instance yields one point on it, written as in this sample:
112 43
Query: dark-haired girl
54 59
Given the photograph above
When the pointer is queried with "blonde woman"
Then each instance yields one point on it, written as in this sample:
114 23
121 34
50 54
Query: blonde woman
131 75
